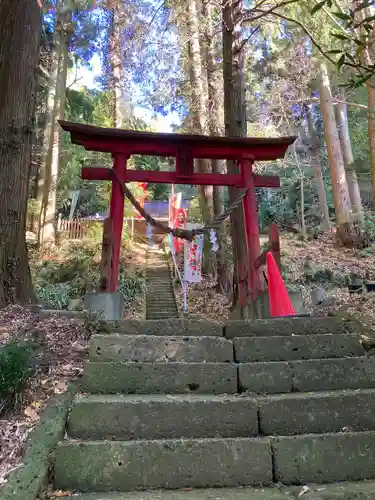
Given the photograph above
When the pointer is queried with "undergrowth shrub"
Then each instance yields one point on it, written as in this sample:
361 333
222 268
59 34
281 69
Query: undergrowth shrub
16 368
66 274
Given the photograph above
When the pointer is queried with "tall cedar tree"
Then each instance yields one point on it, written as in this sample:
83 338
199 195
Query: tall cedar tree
20 22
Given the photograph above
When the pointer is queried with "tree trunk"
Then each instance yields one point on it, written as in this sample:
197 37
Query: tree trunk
198 109
235 126
213 115
116 61
371 130
20 22
347 153
48 234
302 203
315 160
324 212
340 189
368 57
50 118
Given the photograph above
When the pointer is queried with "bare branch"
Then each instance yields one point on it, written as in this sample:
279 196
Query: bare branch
262 12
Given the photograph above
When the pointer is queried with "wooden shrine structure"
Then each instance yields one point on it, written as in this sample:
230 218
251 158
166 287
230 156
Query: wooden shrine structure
122 144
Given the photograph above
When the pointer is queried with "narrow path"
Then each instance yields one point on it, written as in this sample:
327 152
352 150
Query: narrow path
160 297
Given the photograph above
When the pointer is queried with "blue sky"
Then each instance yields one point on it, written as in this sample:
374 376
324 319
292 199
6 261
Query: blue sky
86 77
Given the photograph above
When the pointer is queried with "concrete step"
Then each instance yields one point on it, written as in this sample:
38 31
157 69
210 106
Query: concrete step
159 289
153 378
155 349
160 272
288 326
132 417
297 347
156 306
162 308
320 412
174 327
363 490
167 315
307 376
132 465
324 458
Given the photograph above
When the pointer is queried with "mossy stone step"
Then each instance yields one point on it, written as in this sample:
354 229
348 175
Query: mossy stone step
324 458
129 417
320 412
159 349
154 378
288 326
341 491
307 375
297 347
173 326
132 465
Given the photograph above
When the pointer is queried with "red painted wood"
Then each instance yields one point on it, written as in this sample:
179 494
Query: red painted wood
184 163
256 282
274 243
117 216
259 152
185 148
104 174
158 144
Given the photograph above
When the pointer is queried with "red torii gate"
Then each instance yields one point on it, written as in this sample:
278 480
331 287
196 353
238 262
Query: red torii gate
185 148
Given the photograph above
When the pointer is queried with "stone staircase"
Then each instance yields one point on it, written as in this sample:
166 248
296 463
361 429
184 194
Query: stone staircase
160 298
255 411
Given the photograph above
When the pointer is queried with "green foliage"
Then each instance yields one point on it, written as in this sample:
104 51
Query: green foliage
93 322
73 268
370 225
16 368
353 29
194 214
283 205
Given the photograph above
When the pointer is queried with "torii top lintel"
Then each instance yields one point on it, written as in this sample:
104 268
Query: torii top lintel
185 148
165 144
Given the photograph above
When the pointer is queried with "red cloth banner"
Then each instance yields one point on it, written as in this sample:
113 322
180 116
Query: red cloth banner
141 198
180 223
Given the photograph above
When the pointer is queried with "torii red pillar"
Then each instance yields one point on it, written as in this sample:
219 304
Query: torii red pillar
117 214
250 213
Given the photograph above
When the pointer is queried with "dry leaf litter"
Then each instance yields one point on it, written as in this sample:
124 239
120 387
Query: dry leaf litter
63 347
298 259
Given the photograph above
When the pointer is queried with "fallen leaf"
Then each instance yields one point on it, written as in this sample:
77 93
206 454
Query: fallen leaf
31 413
61 493
60 387
304 490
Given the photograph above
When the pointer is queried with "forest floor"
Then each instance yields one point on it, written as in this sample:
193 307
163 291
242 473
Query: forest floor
306 265
60 344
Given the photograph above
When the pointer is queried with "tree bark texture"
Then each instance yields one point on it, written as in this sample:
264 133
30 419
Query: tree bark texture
371 130
49 125
19 34
65 28
235 126
340 189
213 119
116 60
198 110
315 160
347 153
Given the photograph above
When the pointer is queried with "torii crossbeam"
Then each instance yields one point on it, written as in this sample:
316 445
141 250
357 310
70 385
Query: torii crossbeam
185 148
